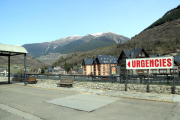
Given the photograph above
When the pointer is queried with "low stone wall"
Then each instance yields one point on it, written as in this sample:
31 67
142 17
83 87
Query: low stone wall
116 86
48 81
130 87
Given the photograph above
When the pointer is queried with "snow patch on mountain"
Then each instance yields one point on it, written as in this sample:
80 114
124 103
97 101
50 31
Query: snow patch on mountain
99 34
96 34
73 37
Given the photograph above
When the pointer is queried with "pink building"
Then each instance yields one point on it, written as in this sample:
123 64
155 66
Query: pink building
99 66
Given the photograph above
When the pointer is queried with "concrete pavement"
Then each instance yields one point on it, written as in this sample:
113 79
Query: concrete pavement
134 95
31 100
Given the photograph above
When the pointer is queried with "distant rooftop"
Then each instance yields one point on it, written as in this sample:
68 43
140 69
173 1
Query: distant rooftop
88 61
107 59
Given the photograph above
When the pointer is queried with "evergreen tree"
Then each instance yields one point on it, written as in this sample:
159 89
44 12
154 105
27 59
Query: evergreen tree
42 71
66 67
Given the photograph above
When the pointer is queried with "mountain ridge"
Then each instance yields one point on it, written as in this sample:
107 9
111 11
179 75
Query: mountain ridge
61 45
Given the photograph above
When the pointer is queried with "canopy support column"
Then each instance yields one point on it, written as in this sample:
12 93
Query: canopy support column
9 69
24 69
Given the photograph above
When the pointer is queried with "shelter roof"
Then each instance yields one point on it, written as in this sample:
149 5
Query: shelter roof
7 49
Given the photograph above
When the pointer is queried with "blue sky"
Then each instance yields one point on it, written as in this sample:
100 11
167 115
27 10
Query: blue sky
36 21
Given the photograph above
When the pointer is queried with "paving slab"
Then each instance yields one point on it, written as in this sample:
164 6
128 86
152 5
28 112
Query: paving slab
84 102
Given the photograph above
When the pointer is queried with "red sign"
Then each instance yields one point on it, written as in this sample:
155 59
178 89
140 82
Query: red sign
150 63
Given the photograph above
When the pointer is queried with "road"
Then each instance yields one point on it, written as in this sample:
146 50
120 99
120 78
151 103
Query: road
22 102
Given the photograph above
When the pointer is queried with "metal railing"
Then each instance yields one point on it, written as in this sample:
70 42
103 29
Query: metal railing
153 80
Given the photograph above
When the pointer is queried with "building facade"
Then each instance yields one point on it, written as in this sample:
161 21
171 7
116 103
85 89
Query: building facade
87 67
99 66
127 54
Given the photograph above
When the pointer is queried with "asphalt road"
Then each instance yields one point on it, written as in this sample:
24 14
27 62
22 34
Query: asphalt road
17 101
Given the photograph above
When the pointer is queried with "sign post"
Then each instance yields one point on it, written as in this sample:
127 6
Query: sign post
126 82
148 82
151 63
173 82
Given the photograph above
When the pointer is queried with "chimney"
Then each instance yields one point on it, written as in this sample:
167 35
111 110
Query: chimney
132 54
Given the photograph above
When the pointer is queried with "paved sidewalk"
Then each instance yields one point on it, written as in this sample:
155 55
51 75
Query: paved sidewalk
134 95
19 102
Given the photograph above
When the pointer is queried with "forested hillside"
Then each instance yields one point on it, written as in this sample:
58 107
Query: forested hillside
169 16
18 61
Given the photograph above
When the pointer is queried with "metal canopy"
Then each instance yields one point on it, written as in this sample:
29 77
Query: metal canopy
12 50
6 50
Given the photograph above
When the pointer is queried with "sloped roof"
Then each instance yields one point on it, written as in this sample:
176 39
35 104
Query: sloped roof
4 48
136 51
103 59
88 61
151 56
49 68
177 58
79 71
128 52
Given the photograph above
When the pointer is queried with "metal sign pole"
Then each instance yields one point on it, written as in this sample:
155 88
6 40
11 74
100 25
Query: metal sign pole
148 82
9 69
126 81
173 81
24 69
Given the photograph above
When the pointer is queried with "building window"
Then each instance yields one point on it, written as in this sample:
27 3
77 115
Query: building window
172 71
162 71
139 54
143 54
154 71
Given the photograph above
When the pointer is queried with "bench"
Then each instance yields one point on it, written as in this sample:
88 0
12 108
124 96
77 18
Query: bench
32 80
68 82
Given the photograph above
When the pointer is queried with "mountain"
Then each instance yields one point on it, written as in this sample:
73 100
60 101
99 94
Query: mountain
160 37
37 49
50 58
75 43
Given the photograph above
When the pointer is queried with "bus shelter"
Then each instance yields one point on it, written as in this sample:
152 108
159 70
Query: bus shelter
12 50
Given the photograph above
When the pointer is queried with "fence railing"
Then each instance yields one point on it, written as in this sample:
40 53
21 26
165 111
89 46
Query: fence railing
153 80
